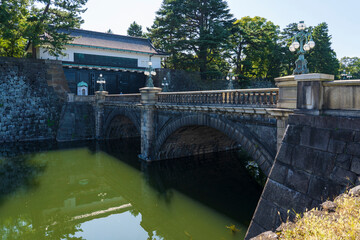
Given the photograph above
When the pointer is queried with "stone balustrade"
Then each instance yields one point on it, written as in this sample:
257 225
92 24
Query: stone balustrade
264 97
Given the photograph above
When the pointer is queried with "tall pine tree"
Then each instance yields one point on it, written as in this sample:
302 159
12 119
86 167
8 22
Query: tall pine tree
192 31
135 30
323 58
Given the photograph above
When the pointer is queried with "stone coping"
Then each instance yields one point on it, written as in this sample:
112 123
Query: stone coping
354 82
314 77
221 91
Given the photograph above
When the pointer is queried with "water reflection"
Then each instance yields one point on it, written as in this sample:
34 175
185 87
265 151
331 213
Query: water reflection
102 191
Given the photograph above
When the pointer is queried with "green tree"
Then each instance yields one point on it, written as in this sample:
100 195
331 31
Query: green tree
254 48
322 59
135 30
48 25
39 22
196 32
351 65
13 16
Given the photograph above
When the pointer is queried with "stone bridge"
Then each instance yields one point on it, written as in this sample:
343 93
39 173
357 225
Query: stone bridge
180 124
304 134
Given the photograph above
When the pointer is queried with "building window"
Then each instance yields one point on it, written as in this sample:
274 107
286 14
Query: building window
99 60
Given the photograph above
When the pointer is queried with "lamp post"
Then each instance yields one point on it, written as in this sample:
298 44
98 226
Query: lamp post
149 72
230 77
345 75
165 85
304 42
101 81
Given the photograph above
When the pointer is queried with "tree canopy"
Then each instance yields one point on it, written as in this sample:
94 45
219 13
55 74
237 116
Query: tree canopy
254 49
323 58
194 32
350 65
39 23
203 36
135 30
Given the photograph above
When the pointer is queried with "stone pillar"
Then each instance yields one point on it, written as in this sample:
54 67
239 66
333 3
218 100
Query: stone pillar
99 113
287 92
281 116
70 97
310 92
148 123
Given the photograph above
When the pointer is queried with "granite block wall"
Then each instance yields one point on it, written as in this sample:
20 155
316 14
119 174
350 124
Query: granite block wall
318 159
30 99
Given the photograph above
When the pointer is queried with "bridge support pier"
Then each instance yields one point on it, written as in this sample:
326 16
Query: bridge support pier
99 113
148 100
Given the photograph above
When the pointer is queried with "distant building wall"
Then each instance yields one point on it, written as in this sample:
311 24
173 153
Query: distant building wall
142 59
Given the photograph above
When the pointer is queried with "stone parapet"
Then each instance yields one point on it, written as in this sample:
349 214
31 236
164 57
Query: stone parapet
149 95
287 92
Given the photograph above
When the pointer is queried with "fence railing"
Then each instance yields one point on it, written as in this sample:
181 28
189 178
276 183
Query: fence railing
130 98
260 97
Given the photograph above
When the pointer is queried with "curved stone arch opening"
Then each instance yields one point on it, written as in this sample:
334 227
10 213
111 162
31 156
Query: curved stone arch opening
211 131
121 124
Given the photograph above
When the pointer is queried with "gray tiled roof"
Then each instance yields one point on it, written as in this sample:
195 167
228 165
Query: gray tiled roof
113 41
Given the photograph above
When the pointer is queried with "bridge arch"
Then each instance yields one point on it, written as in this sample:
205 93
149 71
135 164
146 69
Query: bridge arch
205 127
121 123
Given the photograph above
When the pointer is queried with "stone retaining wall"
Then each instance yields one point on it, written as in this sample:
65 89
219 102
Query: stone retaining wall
318 158
31 96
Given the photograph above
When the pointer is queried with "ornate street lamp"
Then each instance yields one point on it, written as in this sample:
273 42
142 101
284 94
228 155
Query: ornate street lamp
101 81
304 42
165 85
230 77
345 75
150 72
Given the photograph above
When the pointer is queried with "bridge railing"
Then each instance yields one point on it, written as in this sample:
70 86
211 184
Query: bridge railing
260 97
130 98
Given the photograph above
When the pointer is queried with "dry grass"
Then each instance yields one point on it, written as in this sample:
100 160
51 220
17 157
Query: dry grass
344 223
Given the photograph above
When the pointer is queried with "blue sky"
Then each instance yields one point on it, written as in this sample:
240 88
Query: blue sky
343 17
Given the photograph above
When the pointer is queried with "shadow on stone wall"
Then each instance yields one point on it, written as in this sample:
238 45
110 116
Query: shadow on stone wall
318 159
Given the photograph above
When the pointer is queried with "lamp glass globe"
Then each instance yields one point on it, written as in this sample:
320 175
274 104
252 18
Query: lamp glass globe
301 26
296 45
311 44
306 47
292 48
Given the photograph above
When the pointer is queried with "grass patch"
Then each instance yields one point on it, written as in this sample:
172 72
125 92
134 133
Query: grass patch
343 223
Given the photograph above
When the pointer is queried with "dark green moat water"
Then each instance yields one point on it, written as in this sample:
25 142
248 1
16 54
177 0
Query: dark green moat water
92 190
